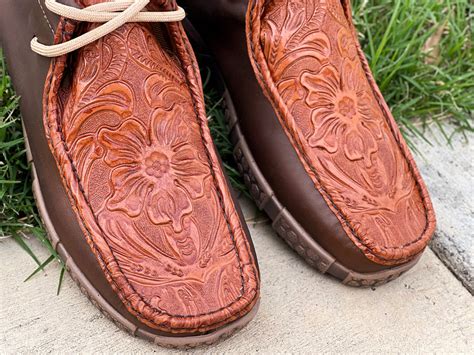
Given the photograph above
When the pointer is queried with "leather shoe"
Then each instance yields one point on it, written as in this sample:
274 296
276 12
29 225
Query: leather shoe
314 139
127 178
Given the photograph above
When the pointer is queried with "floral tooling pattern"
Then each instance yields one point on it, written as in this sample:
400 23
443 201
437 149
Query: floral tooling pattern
156 171
306 56
342 113
147 187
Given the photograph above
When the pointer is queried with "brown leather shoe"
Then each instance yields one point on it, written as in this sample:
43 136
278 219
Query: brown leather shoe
131 189
314 138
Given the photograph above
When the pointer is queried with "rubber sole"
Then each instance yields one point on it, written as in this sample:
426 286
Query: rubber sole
179 342
286 225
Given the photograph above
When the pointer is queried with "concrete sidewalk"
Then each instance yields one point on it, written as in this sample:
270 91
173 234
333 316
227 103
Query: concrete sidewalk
426 310
449 173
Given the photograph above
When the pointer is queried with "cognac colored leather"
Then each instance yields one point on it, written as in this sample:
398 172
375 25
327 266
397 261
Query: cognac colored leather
318 131
128 174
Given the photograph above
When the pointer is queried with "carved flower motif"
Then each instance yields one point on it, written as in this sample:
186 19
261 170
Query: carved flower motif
344 116
154 170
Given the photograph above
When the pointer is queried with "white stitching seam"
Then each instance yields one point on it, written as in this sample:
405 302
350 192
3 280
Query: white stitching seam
45 17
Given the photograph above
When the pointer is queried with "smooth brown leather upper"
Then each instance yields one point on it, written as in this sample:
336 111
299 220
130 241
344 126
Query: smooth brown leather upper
125 121
324 139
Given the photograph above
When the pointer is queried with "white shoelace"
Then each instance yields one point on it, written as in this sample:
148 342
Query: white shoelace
114 14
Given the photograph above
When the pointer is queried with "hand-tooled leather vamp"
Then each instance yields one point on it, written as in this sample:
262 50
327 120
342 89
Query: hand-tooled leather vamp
311 67
125 120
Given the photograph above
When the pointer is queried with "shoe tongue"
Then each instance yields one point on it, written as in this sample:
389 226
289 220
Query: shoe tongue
85 3
154 4
73 3
163 4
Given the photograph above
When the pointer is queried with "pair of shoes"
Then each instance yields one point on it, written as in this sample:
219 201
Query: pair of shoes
130 186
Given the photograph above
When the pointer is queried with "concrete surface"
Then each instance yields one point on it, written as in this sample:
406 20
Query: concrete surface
425 310
449 175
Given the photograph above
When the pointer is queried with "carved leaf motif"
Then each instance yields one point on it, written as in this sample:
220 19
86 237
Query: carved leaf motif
346 45
114 98
111 67
315 12
142 48
160 92
297 37
134 244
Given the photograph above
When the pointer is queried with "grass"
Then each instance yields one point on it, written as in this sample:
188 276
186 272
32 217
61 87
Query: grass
421 54
220 132
19 217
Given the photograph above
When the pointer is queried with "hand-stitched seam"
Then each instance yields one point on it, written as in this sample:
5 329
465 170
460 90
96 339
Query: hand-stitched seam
45 17
328 196
94 246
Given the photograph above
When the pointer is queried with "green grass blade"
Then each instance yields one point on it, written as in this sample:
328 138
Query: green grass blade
41 267
19 239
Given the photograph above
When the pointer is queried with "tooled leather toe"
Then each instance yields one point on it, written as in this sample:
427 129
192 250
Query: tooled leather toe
310 65
126 123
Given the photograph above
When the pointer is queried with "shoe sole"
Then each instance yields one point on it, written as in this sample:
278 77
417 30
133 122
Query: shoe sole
184 342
